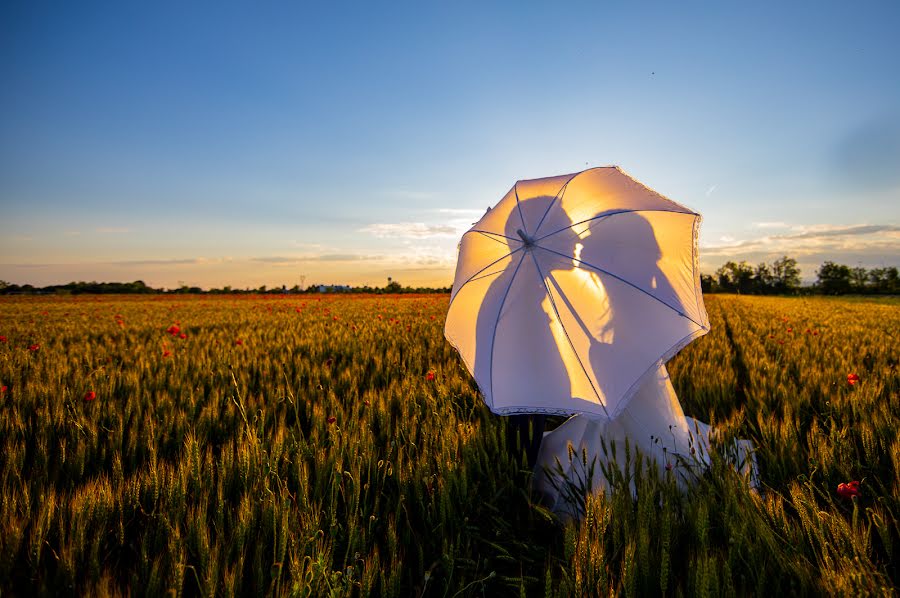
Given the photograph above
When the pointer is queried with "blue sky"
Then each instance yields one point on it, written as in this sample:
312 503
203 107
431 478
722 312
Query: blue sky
231 143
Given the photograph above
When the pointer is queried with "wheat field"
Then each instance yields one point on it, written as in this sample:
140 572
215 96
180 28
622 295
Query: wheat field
335 445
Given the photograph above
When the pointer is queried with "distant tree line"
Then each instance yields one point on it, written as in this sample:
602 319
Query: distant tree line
139 287
782 277
79 288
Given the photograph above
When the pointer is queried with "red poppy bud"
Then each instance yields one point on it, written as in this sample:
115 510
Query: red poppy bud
848 490
182 335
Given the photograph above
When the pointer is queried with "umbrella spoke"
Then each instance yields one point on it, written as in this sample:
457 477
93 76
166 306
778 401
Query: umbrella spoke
601 217
476 275
519 206
559 196
493 236
494 332
566 332
620 279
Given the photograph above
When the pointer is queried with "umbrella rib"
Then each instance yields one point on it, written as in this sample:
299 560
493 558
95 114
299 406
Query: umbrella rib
471 278
566 332
497 322
491 235
607 215
619 278
519 207
559 194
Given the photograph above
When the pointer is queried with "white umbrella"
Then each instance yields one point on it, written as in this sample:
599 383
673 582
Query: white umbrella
571 289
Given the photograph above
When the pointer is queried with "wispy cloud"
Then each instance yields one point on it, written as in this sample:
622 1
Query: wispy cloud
409 230
407 194
112 230
710 191
771 225
868 243
468 212
327 257
169 262
811 245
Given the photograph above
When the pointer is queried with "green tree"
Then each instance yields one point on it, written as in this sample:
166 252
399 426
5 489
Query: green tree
885 280
786 274
763 281
833 279
858 279
735 277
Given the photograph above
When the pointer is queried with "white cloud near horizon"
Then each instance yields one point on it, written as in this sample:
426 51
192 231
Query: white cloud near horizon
813 237
870 245
409 230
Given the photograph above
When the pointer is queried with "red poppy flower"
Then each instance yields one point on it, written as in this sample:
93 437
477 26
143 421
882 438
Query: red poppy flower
238 342
173 330
848 490
3 389
2 339
815 333
34 348
790 329
90 395
182 335
332 419
429 376
166 353
852 379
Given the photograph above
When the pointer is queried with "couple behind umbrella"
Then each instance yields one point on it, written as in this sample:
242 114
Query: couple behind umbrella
569 297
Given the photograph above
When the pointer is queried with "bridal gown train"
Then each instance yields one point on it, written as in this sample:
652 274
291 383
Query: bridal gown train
652 422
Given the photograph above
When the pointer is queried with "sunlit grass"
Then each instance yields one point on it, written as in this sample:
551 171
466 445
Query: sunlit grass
297 445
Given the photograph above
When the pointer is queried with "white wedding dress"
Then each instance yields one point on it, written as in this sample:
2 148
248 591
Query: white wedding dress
652 422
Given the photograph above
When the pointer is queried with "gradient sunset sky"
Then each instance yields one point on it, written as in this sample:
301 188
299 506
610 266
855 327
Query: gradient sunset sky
254 143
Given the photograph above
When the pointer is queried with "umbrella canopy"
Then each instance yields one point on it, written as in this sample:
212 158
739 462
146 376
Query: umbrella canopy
572 288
